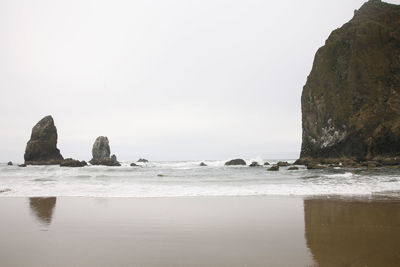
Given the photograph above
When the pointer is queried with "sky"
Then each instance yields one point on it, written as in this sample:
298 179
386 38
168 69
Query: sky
163 79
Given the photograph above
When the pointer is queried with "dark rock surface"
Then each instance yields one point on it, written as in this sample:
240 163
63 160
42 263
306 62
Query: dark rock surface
72 163
143 160
351 100
282 164
274 168
203 164
293 168
42 149
101 153
22 165
235 162
134 165
266 163
10 163
254 164
315 167
105 162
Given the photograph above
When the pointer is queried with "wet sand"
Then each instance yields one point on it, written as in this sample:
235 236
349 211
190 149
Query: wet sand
203 231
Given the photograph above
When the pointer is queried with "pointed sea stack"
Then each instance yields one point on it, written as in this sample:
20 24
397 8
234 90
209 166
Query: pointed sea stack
101 153
42 149
351 101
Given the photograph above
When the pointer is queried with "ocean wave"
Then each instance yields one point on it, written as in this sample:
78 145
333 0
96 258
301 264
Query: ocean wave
183 179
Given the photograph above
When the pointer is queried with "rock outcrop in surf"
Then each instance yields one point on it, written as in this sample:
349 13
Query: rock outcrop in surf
351 100
235 162
101 153
72 163
42 149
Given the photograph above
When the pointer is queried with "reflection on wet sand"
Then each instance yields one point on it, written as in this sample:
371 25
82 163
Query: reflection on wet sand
42 208
353 233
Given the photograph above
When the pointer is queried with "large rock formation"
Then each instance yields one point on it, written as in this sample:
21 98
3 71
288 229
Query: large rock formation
42 149
351 101
101 148
101 153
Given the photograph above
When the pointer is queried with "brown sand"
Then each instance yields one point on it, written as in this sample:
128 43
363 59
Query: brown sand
206 231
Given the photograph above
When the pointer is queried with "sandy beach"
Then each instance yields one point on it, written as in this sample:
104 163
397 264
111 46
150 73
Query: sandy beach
203 231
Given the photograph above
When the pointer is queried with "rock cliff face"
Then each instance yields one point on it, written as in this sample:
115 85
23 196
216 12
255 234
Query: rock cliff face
351 101
42 149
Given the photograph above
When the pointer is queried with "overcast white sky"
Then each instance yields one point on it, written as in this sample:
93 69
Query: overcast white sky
163 79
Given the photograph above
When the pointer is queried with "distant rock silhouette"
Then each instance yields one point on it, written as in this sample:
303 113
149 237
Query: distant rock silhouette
143 160
10 163
42 149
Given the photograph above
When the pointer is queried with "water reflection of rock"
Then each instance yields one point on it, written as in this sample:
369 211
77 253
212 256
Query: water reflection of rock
42 208
353 233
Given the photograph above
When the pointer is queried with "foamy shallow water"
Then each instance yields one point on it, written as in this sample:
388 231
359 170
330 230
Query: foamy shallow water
189 179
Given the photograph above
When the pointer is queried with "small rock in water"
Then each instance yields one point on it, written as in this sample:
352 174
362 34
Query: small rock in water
143 160
274 168
134 165
266 163
254 164
9 163
283 164
235 162
160 175
293 168
72 163
203 164
315 167
21 165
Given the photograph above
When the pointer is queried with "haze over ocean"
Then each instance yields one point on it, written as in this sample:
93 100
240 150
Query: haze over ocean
166 80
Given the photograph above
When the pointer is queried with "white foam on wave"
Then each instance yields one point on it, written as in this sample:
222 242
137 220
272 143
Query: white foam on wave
340 175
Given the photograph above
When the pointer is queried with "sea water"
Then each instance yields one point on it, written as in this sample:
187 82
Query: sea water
187 178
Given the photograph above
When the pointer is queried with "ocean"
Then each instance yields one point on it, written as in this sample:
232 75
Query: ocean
187 178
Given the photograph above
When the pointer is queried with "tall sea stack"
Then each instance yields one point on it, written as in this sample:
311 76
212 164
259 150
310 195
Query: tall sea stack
42 149
351 101
101 153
